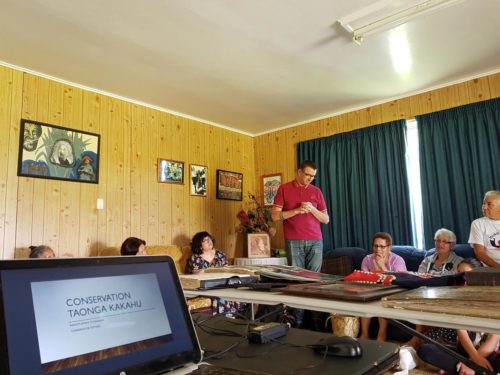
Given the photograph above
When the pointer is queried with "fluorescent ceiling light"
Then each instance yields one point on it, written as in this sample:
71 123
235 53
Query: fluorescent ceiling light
387 14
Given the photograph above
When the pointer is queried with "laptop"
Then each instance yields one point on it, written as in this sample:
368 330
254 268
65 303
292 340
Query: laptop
110 315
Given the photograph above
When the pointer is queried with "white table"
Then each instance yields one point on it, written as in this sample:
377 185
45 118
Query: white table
362 309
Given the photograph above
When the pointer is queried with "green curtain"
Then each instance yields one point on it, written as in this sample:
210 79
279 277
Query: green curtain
459 162
364 180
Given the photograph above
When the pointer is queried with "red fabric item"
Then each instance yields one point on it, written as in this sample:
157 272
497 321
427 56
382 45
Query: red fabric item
366 277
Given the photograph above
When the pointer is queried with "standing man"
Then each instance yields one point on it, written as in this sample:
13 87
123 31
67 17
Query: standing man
302 209
485 231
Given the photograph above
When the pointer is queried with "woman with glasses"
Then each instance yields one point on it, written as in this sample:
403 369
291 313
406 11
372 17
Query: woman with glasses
382 260
444 261
205 255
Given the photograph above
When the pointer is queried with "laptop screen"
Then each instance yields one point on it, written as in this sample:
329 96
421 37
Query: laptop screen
112 315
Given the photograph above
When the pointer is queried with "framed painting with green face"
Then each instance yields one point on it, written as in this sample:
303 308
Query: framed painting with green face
55 152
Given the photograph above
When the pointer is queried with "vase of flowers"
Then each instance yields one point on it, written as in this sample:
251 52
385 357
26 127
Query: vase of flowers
256 220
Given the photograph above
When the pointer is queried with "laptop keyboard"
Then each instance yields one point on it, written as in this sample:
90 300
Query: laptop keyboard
218 370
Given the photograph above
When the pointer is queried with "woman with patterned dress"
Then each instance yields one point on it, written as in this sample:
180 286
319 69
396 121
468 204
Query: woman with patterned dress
205 255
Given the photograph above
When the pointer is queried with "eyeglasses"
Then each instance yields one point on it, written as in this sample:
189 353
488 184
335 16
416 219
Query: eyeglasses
443 242
311 176
380 246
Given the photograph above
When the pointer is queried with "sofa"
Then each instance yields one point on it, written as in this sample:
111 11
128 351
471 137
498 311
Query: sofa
343 261
179 255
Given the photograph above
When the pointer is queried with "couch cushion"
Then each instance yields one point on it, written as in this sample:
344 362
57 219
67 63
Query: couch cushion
109 252
412 256
337 265
174 251
356 253
463 250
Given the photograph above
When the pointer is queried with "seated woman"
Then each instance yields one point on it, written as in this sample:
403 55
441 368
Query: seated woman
42 251
479 347
382 260
444 261
205 255
133 246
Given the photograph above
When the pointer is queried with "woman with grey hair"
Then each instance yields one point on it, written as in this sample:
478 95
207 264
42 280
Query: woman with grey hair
444 261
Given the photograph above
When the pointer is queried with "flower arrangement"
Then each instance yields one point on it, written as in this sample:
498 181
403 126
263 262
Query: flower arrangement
257 220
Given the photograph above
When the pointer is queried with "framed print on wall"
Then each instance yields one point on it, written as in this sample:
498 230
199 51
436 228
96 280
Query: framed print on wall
198 180
170 171
55 152
259 245
269 187
229 185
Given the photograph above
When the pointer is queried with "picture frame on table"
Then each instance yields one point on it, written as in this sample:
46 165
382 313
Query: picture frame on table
198 180
258 245
170 171
58 153
229 185
269 187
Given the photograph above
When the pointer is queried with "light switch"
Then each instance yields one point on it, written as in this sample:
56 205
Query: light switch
100 203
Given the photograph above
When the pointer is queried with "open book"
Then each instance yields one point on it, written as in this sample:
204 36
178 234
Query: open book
274 272
210 280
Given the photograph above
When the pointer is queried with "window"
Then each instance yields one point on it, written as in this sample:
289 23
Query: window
413 167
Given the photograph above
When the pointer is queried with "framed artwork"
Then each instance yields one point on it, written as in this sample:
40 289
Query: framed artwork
170 171
55 152
259 245
198 180
269 187
229 185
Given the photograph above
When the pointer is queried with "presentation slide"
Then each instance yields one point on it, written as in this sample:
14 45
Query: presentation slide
79 316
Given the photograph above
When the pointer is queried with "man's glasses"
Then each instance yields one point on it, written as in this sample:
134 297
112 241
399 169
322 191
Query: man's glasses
312 176
443 242
380 246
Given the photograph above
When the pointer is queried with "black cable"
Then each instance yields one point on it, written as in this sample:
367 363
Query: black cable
280 308
224 351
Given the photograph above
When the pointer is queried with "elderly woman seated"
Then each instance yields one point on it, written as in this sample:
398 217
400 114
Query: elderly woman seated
382 260
444 261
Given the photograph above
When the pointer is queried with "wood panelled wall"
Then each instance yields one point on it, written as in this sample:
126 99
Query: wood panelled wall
64 215
284 142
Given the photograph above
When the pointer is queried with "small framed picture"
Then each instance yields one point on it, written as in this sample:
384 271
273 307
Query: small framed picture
170 171
269 187
259 245
229 185
198 180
